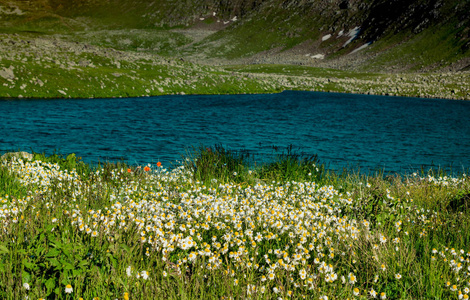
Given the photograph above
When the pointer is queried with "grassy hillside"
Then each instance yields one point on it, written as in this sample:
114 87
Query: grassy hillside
88 48
248 27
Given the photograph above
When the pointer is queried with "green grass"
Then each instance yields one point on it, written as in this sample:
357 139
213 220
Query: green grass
434 48
9 184
109 77
157 41
101 230
94 73
273 27
293 70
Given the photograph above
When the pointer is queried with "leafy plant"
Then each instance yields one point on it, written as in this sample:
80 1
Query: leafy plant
218 163
293 166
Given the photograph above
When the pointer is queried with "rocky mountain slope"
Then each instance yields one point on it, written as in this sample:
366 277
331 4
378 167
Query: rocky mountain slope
100 48
397 35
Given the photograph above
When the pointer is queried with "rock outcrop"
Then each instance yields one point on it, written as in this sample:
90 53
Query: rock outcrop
23 155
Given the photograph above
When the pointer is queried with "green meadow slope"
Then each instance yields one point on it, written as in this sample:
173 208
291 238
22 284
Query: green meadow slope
57 48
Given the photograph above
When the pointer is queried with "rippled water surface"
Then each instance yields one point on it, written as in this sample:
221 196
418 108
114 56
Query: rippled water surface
370 132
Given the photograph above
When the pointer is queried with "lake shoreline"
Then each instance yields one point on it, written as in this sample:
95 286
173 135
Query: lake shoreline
80 70
234 93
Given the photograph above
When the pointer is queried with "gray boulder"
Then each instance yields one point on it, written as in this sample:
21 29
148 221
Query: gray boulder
23 155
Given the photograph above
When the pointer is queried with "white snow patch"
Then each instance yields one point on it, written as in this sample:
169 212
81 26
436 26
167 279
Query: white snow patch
326 37
214 13
318 56
352 34
62 92
226 22
202 19
340 33
234 19
360 48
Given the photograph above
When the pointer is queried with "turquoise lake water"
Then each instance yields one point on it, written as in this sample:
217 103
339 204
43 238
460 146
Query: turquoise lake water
367 132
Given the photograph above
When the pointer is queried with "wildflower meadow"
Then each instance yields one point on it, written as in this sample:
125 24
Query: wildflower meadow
215 227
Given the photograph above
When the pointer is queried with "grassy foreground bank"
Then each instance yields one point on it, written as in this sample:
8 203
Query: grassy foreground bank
214 228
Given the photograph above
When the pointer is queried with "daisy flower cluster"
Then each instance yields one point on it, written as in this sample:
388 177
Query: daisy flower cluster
42 173
295 230
39 177
268 230
289 238
457 266
441 180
